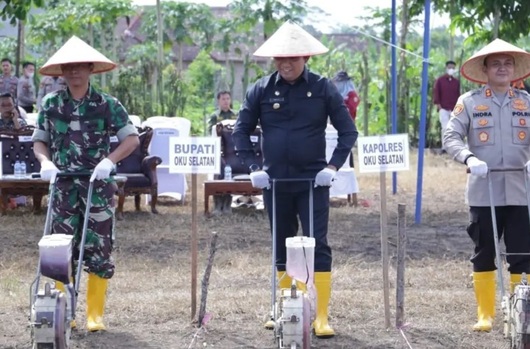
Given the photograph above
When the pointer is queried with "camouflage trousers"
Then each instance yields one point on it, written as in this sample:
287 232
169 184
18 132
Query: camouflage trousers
69 204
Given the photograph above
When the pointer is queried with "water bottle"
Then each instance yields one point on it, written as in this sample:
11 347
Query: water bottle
17 169
22 169
228 172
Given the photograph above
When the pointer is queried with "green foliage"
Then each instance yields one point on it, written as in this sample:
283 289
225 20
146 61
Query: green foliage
18 9
200 79
478 18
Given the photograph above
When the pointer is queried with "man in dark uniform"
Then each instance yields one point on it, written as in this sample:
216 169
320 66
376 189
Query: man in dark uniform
293 105
73 135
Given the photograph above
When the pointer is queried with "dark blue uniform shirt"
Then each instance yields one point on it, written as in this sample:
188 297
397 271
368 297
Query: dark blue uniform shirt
293 118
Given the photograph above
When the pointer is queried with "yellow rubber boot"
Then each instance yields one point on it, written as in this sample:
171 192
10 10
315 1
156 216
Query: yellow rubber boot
484 285
515 279
323 287
284 281
60 286
95 302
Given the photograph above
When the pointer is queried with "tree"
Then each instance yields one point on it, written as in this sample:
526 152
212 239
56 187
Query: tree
485 20
184 23
18 9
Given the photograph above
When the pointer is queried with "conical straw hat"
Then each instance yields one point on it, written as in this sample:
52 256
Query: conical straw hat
472 68
76 50
290 40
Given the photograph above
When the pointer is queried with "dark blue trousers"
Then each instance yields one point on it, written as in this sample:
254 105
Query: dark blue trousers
292 207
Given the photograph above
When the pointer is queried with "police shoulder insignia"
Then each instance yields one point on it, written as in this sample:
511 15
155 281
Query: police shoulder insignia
458 109
488 92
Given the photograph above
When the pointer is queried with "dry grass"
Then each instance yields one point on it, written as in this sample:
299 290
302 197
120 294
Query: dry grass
149 297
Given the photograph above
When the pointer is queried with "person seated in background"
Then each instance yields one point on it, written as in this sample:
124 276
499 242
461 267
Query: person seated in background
10 118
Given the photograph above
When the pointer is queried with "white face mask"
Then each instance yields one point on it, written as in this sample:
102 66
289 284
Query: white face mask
451 71
30 75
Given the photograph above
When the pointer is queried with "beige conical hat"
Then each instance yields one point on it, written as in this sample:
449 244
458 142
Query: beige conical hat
290 40
472 68
76 50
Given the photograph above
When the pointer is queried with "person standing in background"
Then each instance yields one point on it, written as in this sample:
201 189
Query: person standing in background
446 91
346 88
26 87
49 84
8 82
222 203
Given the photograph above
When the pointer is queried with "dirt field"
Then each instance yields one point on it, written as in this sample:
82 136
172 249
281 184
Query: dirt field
149 297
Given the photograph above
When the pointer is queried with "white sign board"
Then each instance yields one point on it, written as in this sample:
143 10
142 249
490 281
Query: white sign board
386 153
195 155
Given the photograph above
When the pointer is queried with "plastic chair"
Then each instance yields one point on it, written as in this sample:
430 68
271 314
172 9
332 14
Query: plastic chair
169 184
31 118
180 123
345 183
136 120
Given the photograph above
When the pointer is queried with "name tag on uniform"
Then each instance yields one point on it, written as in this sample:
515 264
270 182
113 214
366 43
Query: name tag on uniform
114 139
24 138
254 138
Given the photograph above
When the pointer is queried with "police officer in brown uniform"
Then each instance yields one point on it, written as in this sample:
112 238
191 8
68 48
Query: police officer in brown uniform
495 119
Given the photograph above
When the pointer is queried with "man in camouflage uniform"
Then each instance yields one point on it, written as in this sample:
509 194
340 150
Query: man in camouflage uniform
47 85
73 135
222 203
8 82
495 119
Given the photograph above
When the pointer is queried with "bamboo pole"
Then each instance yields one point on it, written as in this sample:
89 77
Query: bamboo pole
400 279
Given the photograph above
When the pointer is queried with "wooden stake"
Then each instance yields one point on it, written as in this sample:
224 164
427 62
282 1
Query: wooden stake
384 248
206 278
400 279
193 245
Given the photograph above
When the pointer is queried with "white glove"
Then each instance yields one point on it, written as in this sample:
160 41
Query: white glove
527 166
325 177
102 170
477 167
260 180
48 170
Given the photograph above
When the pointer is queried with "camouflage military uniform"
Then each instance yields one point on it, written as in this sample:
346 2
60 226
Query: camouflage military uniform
9 84
78 136
10 125
49 84
222 203
220 115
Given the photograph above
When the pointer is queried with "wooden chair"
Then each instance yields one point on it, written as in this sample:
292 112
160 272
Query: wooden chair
140 170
